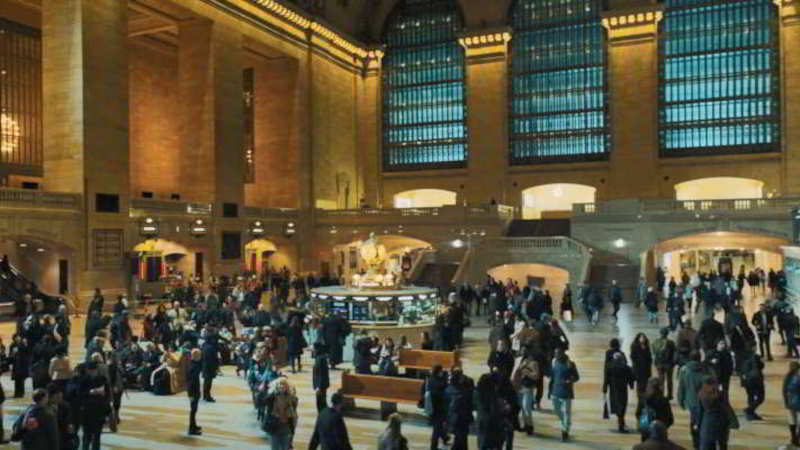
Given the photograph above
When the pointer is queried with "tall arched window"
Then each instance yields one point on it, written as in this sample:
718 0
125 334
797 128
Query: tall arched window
424 109
719 78
559 82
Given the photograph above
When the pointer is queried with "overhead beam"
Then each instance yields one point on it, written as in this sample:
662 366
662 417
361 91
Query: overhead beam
148 25
144 9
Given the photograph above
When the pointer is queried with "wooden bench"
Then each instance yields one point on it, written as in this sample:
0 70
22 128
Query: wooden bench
427 359
388 390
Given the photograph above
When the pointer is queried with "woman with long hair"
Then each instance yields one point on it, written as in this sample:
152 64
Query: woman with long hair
641 362
791 399
282 414
392 438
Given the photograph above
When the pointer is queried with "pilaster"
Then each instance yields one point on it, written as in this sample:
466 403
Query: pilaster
368 96
487 111
789 26
633 86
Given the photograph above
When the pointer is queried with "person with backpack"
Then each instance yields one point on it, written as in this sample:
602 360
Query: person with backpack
618 377
664 357
562 390
654 407
690 380
36 428
525 378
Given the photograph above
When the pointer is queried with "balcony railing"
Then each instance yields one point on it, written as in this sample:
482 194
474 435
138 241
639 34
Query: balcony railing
443 214
780 204
269 213
148 206
25 198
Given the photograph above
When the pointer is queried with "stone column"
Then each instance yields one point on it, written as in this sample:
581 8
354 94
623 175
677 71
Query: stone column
368 96
487 112
85 124
789 23
210 88
633 86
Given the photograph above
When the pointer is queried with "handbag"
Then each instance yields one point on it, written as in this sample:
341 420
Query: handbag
269 423
730 415
606 415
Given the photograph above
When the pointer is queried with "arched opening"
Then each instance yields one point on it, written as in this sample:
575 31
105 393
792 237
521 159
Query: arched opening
719 188
722 252
554 201
424 198
159 265
549 278
262 255
48 264
402 249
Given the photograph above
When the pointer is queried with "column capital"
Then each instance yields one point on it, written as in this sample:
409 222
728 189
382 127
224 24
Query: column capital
485 44
632 24
789 11
371 61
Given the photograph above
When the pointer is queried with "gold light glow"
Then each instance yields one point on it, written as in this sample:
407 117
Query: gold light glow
10 132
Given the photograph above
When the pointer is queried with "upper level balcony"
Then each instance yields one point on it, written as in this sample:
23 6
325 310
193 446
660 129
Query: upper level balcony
39 200
444 215
763 207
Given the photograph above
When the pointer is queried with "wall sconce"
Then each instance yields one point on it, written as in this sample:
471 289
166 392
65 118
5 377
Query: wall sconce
149 227
198 228
257 229
290 230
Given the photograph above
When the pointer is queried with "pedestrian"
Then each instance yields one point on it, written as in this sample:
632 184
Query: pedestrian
753 381
501 359
657 439
458 395
562 390
618 377
791 400
335 328
19 354
39 428
642 362
320 374
721 363
762 321
615 295
651 303
330 431
193 390
490 433
566 304
435 404
655 407
392 438
714 424
526 376
664 357
690 380
96 403
281 414
211 362
295 343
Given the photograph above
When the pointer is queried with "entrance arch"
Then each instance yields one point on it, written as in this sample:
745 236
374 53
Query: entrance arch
49 264
424 198
261 254
554 200
719 188
405 249
157 262
703 252
547 277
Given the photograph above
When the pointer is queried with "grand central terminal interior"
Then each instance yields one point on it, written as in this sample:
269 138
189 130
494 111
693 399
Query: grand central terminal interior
235 175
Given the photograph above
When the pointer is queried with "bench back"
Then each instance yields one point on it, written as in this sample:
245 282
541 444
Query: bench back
427 359
393 388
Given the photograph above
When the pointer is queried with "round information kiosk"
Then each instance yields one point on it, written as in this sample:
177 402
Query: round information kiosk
378 302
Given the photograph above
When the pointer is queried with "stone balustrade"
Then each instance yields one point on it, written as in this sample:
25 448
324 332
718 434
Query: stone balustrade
26 198
440 215
779 205
145 206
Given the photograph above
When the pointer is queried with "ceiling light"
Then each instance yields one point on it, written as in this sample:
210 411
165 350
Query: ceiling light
40 249
23 245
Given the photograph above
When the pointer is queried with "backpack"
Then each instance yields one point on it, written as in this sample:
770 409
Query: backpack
18 428
647 416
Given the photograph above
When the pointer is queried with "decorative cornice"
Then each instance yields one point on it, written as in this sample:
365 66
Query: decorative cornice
789 11
485 45
633 24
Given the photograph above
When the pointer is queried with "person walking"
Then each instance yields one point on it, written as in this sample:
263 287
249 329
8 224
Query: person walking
392 438
721 362
714 425
434 399
562 390
651 303
280 414
655 407
664 357
193 390
618 377
525 378
295 343
690 380
211 362
320 377
330 431
615 295
657 439
642 362
762 321
753 382
96 402
791 400
459 396
39 427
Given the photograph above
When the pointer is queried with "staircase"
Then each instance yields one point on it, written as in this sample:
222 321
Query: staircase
539 228
14 285
606 266
437 275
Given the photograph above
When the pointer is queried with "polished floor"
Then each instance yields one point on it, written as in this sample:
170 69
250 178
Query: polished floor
150 422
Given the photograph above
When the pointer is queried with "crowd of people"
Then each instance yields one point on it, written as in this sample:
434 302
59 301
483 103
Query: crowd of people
183 346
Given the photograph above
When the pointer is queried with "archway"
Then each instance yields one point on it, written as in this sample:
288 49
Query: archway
719 188
554 200
718 251
550 278
158 265
424 198
405 249
262 254
48 264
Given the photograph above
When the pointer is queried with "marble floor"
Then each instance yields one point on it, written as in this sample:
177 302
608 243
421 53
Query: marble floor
150 422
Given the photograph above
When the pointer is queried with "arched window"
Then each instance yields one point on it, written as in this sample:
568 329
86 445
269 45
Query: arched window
424 109
559 82
719 78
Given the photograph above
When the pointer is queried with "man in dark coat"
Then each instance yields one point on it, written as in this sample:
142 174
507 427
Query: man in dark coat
434 387
762 321
711 332
210 361
753 382
193 390
95 399
459 408
721 363
330 431
320 379
615 295
335 329
41 427
618 378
